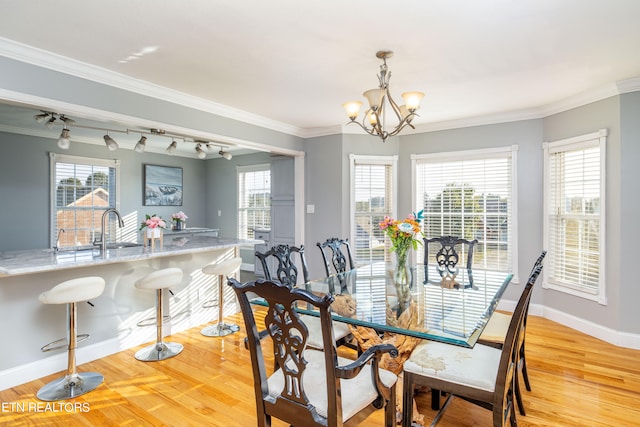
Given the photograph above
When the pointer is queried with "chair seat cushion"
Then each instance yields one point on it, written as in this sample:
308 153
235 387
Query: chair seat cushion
340 330
357 392
475 367
497 327
74 290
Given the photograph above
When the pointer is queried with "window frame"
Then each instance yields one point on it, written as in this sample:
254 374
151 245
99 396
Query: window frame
55 158
511 152
261 167
355 159
595 139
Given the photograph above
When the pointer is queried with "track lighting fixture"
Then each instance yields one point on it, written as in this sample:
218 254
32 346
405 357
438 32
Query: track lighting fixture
225 154
172 147
111 144
200 151
202 147
63 141
141 144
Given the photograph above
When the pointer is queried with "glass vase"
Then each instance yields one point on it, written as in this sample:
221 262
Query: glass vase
178 226
402 279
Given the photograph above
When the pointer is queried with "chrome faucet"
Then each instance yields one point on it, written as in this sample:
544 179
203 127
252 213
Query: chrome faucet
57 245
102 241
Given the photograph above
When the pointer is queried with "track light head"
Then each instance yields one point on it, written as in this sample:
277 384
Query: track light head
67 121
63 141
172 147
141 144
226 155
40 118
51 121
111 144
201 152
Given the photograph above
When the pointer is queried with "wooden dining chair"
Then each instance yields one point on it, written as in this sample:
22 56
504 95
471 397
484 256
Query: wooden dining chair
447 256
333 254
309 387
286 270
482 375
495 333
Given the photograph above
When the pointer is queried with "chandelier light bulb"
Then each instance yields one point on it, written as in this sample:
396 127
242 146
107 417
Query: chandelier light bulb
225 155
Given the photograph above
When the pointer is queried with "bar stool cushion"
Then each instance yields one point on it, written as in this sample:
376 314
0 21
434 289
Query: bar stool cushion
161 279
74 290
224 268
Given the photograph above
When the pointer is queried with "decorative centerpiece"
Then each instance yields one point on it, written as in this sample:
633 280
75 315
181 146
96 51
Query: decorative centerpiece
179 220
153 226
404 235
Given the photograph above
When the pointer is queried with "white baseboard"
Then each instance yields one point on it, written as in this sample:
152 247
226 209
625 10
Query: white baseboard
617 338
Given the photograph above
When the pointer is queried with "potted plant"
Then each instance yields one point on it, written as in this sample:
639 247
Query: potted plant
153 225
180 219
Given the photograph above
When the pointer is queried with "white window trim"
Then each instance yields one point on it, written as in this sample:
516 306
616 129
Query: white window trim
67 158
371 160
244 169
483 153
598 138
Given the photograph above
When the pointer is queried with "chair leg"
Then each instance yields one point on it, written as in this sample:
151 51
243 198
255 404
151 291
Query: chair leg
525 376
390 409
516 390
407 400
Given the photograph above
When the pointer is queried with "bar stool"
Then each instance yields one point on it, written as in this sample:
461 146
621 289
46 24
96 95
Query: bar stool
159 280
221 269
73 383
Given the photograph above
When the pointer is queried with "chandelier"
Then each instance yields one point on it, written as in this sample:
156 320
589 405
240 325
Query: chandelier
381 104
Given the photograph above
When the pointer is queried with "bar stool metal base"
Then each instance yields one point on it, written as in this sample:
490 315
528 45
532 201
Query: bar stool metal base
220 330
159 351
70 386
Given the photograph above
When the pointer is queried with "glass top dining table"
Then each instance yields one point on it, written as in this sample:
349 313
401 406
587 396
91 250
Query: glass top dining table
449 308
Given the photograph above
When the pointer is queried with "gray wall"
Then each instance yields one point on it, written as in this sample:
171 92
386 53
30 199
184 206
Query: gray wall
25 188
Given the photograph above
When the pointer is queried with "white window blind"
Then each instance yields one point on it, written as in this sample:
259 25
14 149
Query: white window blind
254 199
372 199
470 195
82 189
574 223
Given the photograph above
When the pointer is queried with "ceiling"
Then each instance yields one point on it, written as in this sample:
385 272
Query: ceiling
293 63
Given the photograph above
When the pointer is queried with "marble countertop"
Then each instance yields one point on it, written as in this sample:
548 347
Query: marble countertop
42 260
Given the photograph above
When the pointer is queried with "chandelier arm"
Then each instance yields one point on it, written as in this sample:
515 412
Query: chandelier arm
394 105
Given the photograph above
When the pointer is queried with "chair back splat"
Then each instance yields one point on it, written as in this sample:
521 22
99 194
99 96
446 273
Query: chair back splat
334 247
447 257
287 270
309 387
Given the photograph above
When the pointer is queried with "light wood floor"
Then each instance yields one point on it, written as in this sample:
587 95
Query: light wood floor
577 381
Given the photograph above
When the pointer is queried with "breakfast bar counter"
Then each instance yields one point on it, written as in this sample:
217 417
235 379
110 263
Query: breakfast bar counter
111 319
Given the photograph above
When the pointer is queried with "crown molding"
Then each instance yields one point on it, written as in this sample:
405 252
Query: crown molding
49 60
41 58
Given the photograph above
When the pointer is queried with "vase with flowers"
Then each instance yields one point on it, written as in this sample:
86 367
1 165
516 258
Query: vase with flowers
179 220
153 226
404 235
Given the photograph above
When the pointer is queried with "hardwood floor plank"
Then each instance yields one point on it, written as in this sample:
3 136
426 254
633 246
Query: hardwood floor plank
577 380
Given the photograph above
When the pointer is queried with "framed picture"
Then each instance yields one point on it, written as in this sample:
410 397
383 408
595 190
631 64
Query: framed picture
162 186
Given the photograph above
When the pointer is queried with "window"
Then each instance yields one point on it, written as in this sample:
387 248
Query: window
574 215
254 199
372 185
470 194
81 190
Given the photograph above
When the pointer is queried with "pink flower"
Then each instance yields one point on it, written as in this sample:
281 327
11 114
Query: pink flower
152 222
178 217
